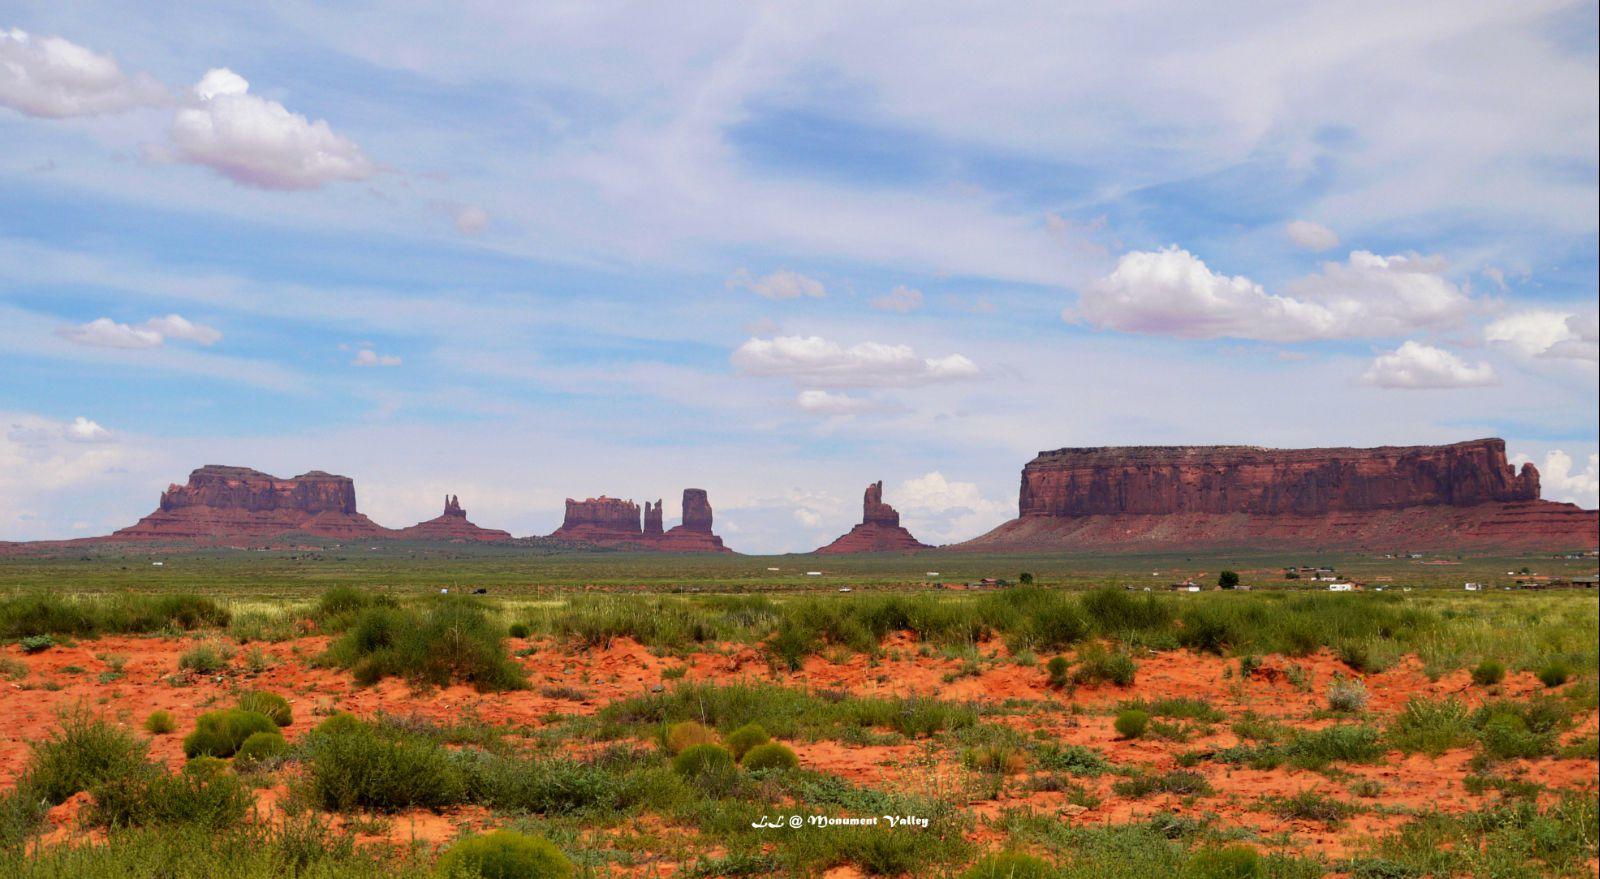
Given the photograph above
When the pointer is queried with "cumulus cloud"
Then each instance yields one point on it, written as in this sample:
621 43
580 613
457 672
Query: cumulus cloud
103 332
1311 236
257 142
368 357
821 363
471 219
82 430
53 78
939 510
1414 365
1546 333
1173 292
781 284
1559 482
827 403
902 299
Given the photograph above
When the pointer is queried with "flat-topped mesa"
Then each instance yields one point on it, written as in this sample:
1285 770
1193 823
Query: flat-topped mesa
694 535
1462 495
879 530
600 520
452 525
1159 480
228 503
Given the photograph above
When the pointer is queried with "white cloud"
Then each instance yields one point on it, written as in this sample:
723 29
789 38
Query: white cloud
53 78
1311 235
257 142
828 403
781 284
1414 365
369 357
1547 333
175 326
82 430
471 219
103 332
1558 482
940 511
818 362
902 299
1173 292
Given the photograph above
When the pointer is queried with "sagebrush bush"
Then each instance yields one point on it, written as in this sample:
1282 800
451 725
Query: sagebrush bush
1010 865
1309 805
686 734
84 751
220 733
770 755
1131 723
1335 744
1227 862
503 854
1555 672
1098 665
1488 673
741 740
1180 783
707 768
1347 695
1058 670
260 748
449 640
1431 726
275 707
204 660
519 630
352 765
211 799
160 723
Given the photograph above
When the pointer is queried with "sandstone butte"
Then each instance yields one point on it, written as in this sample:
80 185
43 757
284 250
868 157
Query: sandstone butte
879 531
1464 495
612 522
227 504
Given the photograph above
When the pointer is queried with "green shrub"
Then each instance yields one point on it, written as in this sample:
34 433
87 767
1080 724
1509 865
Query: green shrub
1058 669
36 643
771 755
1347 696
1507 737
275 707
503 854
1227 862
1335 744
205 766
708 768
1179 783
1010 865
1488 673
450 640
741 740
203 660
261 747
1228 579
1072 759
519 630
1309 805
211 799
26 616
1098 665
682 736
1131 723
160 723
1431 726
1554 673
81 753
220 733
352 765
339 722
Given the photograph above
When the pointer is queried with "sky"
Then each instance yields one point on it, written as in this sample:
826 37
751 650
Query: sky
525 252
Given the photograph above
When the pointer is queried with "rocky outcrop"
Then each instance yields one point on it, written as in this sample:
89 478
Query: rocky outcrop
694 535
236 503
652 518
602 520
879 530
451 525
1459 495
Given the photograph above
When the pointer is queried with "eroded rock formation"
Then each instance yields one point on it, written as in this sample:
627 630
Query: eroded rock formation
879 530
652 518
694 535
229 503
609 522
1464 494
602 520
451 525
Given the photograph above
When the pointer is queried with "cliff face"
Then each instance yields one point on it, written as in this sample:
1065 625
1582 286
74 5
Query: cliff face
610 522
879 530
600 520
451 525
694 535
1464 494
228 503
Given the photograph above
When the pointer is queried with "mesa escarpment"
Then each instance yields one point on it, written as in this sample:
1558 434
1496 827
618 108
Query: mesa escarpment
452 525
230 503
1459 495
879 531
612 522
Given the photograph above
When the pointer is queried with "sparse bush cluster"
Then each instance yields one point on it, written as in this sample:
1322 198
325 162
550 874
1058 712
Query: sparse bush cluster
444 641
41 615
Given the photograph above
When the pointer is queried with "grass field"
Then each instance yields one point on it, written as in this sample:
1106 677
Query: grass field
327 712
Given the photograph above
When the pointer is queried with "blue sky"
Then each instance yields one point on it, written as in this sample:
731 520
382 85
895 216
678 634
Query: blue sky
779 252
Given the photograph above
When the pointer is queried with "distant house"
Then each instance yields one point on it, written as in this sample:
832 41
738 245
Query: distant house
1472 587
1341 587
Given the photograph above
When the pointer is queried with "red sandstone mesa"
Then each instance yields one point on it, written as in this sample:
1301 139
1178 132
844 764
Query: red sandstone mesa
694 535
601 520
610 522
225 503
879 530
451 525
1394 497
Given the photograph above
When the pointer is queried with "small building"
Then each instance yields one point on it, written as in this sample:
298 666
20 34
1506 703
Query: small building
1341 587
1472 587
